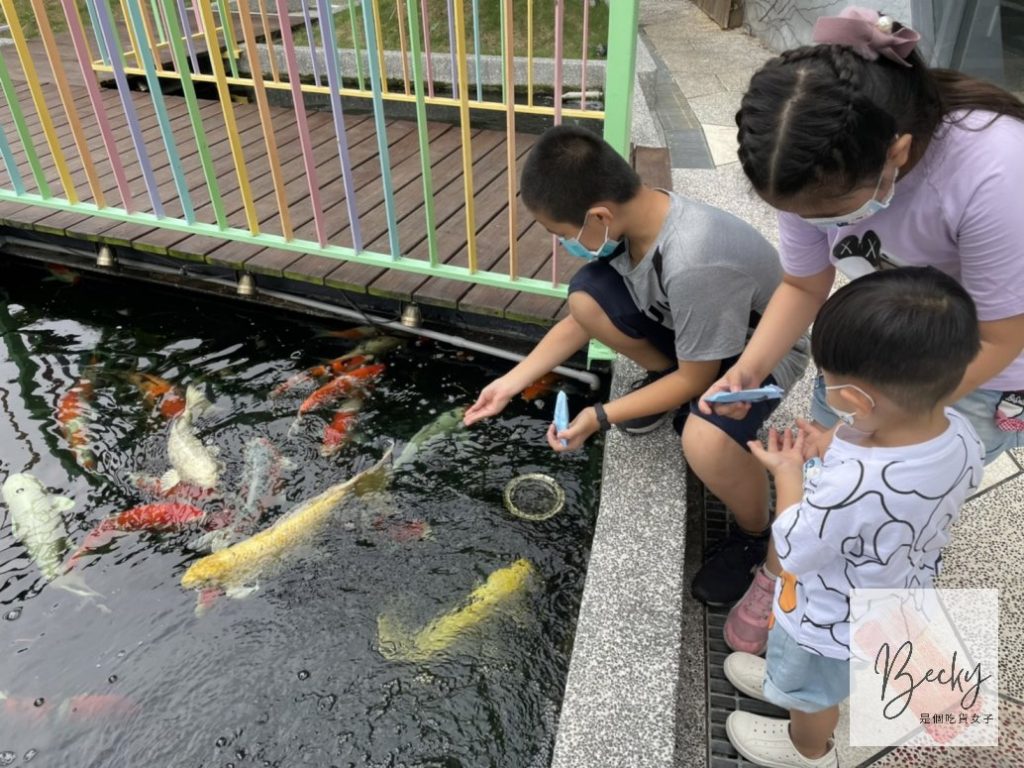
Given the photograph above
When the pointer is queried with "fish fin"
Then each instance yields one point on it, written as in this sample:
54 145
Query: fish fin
15 528
75 584
293 430
196 400
63 503
168 480
240 593
286 464
214 541
393 638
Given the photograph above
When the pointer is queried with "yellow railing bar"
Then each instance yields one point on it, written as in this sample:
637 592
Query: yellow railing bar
269 41
529 52
403 45
443 101
229 118
467 145
20 43
154 47
68 101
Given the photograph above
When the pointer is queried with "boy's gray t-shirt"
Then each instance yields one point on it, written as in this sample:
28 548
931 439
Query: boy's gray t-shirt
702 278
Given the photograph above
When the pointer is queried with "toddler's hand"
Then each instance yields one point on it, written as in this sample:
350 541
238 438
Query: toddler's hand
785 453
817 439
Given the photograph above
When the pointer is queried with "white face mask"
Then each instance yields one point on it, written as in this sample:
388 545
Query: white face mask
869 208
846 417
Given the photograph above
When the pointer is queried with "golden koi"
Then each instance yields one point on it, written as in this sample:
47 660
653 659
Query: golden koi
501 587
236 568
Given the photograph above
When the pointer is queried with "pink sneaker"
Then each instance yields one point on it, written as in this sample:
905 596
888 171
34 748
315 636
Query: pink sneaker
746 628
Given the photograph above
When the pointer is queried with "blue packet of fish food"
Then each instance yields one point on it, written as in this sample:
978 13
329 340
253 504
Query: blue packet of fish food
562 413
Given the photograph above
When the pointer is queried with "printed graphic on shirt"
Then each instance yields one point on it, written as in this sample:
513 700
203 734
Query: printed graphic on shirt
857 256
1010 412
867 524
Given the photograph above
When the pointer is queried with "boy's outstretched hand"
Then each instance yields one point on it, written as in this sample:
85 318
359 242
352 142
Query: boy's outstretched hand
784 454
579 429
492 400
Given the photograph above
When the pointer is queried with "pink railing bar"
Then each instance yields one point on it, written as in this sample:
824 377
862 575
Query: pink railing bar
109 142
294 79
451 47
425 10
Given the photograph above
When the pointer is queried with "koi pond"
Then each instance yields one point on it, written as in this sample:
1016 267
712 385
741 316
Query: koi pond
188 579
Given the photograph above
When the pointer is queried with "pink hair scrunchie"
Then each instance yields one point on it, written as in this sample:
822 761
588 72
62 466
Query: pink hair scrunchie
868 34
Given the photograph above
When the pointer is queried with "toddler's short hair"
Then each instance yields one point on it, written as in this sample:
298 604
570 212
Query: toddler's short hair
569 170
910 332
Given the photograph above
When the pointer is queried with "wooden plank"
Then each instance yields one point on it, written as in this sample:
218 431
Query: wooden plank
449 203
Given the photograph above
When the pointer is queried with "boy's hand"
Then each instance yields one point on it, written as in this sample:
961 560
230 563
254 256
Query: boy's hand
817 439
492 401
785 453
734 380
579 429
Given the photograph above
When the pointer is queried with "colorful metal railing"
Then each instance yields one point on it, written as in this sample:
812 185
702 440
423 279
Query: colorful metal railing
255 47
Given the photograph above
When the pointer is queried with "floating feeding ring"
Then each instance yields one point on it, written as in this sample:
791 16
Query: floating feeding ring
535 483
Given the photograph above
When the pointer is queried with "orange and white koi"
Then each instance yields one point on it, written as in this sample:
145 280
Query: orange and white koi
163 516
338 432
73 411
157 390
337 388
84 706
541 386
63 274
334 367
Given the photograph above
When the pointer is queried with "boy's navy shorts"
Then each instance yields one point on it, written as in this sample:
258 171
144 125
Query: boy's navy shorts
599 280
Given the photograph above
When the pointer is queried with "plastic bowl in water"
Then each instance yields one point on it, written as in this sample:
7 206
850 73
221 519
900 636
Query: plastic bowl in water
534 497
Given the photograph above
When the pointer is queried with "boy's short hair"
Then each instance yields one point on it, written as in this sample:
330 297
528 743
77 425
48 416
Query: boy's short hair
569 170
910 332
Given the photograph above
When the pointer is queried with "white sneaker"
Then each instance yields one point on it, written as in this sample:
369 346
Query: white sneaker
765 741
746 673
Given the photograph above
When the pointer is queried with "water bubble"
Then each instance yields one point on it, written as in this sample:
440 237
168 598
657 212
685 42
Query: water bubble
220 742
303 674
30 755
240 754
39 702
7 757
13 614
229 765
112 679
121 653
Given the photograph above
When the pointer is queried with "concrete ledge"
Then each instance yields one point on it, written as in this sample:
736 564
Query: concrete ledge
620 703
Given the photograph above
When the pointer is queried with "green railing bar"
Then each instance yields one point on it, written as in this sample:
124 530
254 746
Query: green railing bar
382 134
620 67
476 50
157 96
19 124
229 38
501 31
355 45
96 31
421 126
158 22
189 91
9 162
341 253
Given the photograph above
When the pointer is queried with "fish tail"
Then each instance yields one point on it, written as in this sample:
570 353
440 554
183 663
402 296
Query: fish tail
75 584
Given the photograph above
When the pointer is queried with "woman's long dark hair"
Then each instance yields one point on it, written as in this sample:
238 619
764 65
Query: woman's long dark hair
823 116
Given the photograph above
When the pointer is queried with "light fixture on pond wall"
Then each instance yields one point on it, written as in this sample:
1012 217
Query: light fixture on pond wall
411 316
105 257
246 285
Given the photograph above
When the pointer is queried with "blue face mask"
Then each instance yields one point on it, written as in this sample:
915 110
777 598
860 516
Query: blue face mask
870 208
574 247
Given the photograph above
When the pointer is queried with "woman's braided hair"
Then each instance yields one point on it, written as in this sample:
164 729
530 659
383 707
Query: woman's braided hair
823 117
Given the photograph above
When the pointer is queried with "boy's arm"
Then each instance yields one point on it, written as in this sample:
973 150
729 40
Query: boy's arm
559 344
668 392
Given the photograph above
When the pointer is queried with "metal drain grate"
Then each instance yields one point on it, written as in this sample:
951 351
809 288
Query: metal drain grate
722 697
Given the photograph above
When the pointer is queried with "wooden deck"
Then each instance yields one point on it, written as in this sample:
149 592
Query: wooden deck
489 179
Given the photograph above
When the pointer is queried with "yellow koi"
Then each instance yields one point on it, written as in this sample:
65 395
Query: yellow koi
504 584
236 568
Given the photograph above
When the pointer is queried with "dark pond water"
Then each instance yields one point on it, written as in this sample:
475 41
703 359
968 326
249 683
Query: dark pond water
295 673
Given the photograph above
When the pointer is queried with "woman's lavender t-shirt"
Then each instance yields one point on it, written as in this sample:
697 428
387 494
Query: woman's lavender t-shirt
961 210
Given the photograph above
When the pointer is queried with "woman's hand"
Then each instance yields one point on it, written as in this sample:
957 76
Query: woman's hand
583 426
492 400
734 380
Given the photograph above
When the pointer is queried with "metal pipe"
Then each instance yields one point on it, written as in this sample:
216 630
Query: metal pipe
592 380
